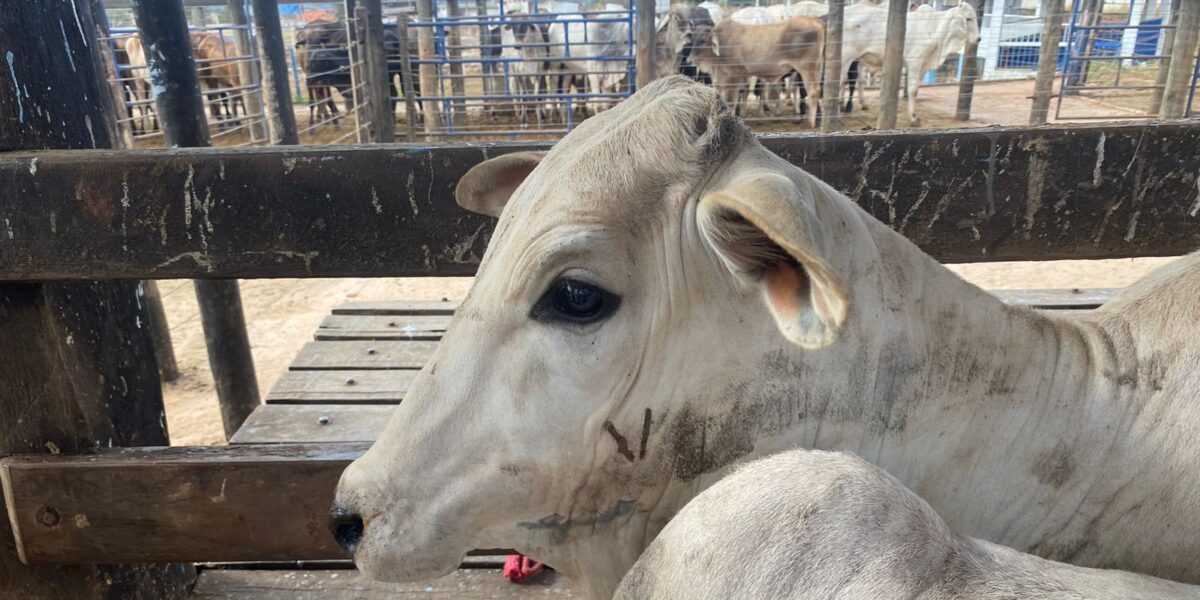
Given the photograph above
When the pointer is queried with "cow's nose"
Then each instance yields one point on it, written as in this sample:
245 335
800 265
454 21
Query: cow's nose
347 528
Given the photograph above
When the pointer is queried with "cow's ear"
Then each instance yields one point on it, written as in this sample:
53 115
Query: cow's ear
485 188
762 227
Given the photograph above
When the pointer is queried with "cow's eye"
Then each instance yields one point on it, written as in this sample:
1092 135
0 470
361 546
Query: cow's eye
574 301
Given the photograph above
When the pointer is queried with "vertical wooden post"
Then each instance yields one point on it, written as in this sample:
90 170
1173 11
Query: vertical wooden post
1183 59
458 86
893 62
645 43
383 124
246 68
173 73
406 77
77 370
970 72
1043 88
269 34
228 351
831 86
428 71
160 330
1170 16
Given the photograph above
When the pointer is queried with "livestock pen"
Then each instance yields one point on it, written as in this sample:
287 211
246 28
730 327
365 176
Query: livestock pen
99 507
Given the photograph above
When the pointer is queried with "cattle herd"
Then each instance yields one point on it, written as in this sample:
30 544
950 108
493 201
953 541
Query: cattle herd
538 66
217 61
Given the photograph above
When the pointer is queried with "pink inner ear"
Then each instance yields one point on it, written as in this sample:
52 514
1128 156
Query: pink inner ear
785 284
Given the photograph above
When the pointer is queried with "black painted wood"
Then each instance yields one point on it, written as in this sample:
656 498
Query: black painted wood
164 29
76 370
1043 193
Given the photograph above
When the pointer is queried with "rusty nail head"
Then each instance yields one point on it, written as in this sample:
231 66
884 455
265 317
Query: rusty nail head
48 517
350 381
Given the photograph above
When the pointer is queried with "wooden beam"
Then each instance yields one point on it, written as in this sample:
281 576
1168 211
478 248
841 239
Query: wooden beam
464 584
313 423
969 195
219 503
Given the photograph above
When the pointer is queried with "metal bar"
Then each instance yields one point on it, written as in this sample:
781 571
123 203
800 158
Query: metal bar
163 26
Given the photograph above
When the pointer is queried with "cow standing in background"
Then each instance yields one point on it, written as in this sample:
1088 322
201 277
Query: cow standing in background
931 35
135 84
733 53
218 74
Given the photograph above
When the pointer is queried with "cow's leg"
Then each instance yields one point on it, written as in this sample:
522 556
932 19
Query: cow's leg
850 76
595 82
809 73
913 85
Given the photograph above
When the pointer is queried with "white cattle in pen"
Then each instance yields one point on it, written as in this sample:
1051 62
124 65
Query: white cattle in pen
930 36
663 298
528 43
715 11
811 525
592 47
755 15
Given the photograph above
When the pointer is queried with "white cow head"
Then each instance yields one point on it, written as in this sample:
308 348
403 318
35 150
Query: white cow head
641 319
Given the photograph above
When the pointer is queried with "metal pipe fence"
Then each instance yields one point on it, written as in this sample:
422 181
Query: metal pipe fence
227 62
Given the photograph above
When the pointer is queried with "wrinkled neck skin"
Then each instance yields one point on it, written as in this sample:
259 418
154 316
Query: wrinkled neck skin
925 380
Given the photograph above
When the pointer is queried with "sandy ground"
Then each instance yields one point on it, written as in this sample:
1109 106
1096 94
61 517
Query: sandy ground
283 314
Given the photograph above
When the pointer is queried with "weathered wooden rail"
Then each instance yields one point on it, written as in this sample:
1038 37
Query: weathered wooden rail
1042 193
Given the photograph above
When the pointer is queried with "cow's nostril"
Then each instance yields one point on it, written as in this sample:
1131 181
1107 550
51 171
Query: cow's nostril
347 529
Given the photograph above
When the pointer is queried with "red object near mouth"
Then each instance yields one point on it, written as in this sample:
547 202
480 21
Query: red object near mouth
518 568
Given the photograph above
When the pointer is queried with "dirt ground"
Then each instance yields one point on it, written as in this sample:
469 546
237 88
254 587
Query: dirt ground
283 314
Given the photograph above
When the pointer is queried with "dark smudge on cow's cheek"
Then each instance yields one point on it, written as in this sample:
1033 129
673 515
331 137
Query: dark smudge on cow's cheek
701 443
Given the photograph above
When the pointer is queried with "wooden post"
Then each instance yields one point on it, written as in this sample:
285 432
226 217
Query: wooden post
181 111
970 72
246 68
228 351
160 330
831 87
269 34
458 86
1183 58
1043 89
78 372
893 62
428 71
1170 16
383 124
406 76
645 43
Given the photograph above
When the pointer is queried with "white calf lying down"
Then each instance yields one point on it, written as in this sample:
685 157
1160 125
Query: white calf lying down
811 524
